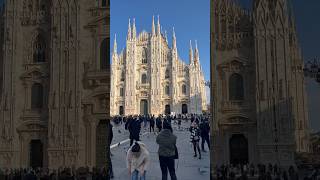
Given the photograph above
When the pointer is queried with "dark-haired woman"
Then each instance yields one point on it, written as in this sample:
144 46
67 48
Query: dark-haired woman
137 161
195 138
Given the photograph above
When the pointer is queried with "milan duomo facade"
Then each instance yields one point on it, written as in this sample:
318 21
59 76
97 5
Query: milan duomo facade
148 77
259 94
55 83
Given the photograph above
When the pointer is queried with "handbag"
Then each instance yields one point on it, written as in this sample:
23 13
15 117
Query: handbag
176 153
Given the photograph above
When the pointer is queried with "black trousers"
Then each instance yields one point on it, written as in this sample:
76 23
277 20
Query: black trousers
152 127
204 139
167 164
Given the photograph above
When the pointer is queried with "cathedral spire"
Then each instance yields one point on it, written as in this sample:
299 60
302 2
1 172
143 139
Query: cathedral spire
115 44
190 53
134 30
174 40
153 27
166 36
196 53
129 30
158 26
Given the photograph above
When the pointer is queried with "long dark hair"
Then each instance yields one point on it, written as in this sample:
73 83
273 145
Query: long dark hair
135 147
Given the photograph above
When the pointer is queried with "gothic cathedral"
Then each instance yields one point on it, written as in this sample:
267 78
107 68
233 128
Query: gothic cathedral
55 83
148 77
259 95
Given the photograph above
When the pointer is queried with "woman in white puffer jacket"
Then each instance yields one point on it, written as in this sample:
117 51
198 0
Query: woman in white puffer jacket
138 160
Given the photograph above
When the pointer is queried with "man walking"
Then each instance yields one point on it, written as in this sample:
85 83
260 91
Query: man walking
152 122
134 129
167 151
204 132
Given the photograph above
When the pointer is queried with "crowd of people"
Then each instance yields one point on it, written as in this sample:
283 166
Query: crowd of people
263 172
134 124
138 155
83 173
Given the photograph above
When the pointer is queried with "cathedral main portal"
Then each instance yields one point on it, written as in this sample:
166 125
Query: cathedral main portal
36 154
184 109
143 107
238 149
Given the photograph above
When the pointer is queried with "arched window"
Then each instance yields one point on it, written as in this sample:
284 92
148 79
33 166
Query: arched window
236 91
36 96
184 89
167 90
144 56
39 54
104 54
167 74
143 79
122 76
121 92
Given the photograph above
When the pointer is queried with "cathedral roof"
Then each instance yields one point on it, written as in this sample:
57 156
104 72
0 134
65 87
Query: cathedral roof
144 36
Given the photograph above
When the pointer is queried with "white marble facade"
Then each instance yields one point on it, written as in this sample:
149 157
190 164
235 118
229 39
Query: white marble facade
148 77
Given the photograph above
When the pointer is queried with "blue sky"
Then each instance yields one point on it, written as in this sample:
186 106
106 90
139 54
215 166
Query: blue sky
191 20
307 19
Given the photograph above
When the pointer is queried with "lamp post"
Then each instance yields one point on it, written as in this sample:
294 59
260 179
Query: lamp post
312 69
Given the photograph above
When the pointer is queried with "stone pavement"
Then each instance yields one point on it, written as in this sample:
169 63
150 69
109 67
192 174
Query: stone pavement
187 167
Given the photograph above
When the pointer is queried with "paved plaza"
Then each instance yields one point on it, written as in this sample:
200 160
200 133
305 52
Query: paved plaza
187 167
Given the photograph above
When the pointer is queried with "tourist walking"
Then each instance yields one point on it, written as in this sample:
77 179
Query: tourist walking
195 138
159 123
167 151
138 160
152 122
134 129
204 131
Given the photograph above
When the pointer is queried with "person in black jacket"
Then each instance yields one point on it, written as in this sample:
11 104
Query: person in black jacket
152 122
134 129
159 123
204 132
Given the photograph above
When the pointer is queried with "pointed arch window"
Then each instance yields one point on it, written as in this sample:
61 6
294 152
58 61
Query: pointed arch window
167 74
121 92
36 96
144 56
167 90
184 89
122 76
39 47
104 54
236 88
143 79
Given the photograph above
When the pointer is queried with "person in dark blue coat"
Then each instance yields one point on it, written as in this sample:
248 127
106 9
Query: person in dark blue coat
134 129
